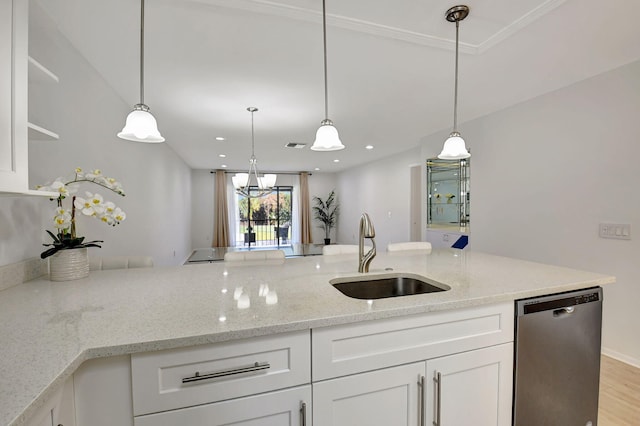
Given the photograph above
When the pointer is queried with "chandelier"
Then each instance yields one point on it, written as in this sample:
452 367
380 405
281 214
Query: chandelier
251 183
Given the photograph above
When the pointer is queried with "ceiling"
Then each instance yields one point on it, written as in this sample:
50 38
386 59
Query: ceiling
390 67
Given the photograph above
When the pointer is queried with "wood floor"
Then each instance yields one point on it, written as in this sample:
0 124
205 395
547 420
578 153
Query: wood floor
619 394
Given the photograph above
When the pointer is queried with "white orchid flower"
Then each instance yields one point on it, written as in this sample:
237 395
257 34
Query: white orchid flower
109 207
107 218
119 215
62 220
91 206
94 174
59 187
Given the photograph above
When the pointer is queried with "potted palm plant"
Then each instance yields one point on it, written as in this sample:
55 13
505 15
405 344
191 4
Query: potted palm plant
326 212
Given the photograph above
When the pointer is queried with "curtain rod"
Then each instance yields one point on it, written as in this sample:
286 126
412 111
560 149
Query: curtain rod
277 173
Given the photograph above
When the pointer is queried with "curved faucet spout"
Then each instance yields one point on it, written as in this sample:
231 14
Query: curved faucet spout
366 231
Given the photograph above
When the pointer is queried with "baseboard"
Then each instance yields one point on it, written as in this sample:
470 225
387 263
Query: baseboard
621 357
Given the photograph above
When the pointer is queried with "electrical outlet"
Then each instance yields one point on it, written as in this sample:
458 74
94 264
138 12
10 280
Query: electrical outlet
618 231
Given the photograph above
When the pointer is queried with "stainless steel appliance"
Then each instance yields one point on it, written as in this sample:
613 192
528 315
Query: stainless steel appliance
557 359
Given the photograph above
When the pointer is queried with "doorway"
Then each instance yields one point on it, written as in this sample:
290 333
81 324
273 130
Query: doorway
265 221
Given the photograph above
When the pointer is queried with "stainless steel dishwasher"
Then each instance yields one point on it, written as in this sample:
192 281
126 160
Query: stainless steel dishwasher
557 359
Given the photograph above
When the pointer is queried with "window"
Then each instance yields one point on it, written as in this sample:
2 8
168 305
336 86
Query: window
264 221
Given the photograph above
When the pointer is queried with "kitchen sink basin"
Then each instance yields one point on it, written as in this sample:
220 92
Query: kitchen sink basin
383 286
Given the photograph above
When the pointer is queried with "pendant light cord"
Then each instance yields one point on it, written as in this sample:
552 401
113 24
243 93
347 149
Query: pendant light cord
142 52
455 95
324 40
253 155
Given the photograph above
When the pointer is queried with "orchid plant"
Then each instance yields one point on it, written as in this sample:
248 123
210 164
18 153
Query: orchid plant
93 205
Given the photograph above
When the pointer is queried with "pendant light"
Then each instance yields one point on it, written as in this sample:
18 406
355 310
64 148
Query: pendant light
327 138
454 147
141 126
242 182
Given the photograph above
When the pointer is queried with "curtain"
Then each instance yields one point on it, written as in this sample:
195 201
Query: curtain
221 220
305 209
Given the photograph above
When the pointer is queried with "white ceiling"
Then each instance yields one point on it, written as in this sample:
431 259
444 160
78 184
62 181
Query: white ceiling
390 66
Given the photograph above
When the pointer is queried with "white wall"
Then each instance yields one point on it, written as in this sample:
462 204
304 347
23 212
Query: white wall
202 214
383 190
546 172
87 115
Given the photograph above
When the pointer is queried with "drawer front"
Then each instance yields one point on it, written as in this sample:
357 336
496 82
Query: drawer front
353 348
184 377
282 408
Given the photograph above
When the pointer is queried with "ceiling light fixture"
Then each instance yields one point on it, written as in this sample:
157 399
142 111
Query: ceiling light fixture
454 147
242 181
141 126
327 138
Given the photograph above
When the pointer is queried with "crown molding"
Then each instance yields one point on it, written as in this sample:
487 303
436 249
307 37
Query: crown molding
275 8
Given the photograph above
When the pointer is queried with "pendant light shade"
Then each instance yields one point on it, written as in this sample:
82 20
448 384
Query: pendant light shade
242 181
454 147
141 126
327 138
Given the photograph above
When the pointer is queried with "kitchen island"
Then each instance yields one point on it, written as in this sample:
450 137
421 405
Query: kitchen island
49 329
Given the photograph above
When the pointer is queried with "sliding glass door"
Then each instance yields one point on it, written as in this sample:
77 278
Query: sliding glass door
265 221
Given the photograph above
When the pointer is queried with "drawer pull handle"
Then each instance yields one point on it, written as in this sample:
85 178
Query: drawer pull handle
238 370
422 397
437 380
303 413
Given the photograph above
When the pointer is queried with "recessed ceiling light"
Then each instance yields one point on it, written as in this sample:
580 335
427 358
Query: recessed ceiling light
224 166
317 168
336 161
222 155
369 147
220 138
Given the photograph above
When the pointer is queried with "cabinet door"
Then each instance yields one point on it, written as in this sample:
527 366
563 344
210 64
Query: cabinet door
13 95
379 398
281 408
471 388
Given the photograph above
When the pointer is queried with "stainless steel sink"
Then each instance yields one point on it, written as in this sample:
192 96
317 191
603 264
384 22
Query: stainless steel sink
389 285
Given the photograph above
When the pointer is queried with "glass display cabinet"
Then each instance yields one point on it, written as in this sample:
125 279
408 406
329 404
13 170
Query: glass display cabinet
448 193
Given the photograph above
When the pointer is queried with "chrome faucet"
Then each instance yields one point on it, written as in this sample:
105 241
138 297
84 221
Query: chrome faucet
366 231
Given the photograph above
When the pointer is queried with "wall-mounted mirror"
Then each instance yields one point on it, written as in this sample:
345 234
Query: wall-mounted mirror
448 193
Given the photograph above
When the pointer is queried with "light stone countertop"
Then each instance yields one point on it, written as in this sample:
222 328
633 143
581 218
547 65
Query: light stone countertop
47 329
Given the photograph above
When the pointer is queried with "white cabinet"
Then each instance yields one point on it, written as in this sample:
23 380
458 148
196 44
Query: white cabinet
59 410
15 71
383 371
14 165
374 373
261 381
471 388
390 396
280 408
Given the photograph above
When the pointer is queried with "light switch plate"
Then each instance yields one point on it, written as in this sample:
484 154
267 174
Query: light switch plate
618 231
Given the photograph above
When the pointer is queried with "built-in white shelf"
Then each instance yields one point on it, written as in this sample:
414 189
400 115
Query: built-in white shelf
40 73
37 133
30 192
41 82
